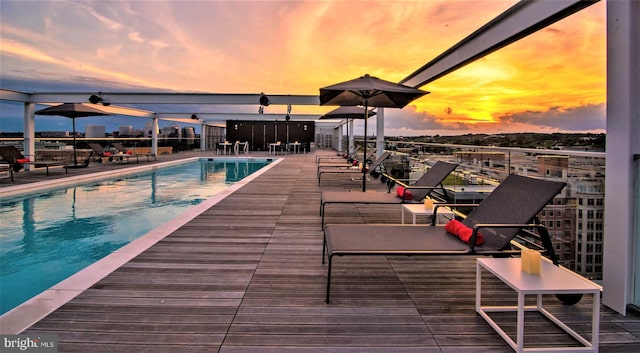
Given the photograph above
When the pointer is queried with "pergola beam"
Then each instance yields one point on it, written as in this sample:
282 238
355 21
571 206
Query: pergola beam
519 21
207 117
159 98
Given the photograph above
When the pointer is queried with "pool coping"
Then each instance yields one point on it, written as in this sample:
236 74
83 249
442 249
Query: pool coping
33 310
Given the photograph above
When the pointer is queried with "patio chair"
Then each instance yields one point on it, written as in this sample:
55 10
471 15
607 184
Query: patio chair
405 193
497 220
15 159
373 168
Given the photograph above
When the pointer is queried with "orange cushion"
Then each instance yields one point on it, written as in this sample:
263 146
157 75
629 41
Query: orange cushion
400 191
106 153
463 232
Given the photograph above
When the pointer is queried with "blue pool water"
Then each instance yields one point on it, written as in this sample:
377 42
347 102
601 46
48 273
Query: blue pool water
46 237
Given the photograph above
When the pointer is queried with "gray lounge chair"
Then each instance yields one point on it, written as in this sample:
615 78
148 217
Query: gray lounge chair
12 156
100 152
340 157
350 170
345 163
429 181
499 217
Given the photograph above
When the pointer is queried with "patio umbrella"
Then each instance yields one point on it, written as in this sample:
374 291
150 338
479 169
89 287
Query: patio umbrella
369 91
348 113
73 111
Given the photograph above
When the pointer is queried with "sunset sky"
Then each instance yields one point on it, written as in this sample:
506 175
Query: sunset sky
551 81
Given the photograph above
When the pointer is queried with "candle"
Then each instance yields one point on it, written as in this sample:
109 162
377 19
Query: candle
530 261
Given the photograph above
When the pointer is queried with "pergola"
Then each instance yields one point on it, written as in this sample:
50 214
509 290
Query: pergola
622 224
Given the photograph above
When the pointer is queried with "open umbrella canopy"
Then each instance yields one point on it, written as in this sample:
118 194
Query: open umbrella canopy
73 111
348 112
369 91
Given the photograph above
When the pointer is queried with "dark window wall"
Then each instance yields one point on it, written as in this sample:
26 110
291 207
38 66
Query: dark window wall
260 134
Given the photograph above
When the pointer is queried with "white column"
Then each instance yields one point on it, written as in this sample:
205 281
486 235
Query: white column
623 125
29 143
154 136
203 137
379 131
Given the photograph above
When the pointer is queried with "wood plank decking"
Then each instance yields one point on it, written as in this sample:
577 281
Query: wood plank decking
246 276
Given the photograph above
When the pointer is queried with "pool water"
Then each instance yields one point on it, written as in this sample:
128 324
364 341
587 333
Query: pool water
49 236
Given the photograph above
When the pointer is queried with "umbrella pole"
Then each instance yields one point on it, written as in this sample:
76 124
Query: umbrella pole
349 149
364 162
75 158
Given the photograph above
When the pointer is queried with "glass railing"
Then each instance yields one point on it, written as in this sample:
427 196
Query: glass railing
61 148
575 218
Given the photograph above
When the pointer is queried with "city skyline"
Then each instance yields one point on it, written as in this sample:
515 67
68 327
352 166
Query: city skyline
551 81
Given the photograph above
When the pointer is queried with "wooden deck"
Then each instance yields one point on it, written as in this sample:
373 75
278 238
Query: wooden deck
246 276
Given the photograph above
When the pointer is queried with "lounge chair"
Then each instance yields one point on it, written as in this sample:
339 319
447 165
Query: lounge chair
101 152
342 156
405 193
373 168
498 218
344 163
16 161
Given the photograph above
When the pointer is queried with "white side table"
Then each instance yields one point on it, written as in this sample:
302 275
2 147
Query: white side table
551 280
444 214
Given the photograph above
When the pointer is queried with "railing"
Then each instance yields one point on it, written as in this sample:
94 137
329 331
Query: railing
575 217
59 148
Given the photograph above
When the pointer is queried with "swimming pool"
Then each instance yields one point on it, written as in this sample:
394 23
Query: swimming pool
49 235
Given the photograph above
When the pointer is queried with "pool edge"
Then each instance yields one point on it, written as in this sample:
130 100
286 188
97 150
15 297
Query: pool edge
33 310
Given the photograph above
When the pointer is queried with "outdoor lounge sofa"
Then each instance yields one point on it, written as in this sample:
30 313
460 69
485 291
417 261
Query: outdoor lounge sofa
405 193
354 170
121 156
512 206
131 153
15 159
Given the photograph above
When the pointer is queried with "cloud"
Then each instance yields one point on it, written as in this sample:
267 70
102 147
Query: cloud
109 23
295 47
590 117
135 36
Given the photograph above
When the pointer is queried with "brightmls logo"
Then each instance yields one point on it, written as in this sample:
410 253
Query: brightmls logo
28 343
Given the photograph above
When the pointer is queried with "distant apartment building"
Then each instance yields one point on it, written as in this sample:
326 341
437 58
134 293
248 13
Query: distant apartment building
148 129
575 219
125 130
483 157
171 131
94 131
53 134
589 193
